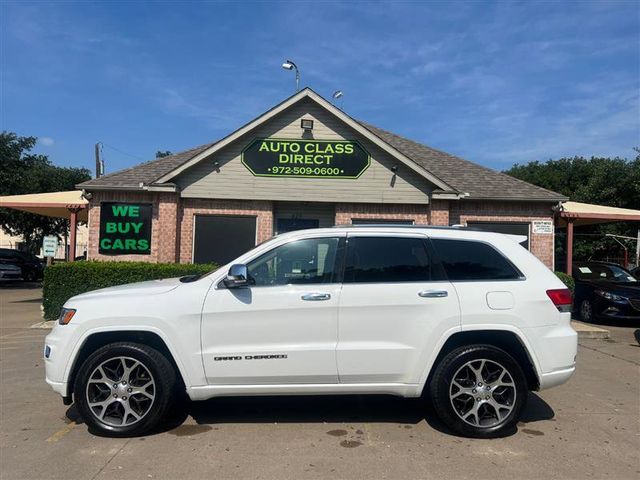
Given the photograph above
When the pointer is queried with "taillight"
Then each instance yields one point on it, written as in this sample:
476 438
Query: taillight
561 298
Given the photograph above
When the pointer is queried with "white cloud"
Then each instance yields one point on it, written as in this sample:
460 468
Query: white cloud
46 141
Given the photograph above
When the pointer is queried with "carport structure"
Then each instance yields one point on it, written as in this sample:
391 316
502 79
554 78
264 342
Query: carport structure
572 214
70 205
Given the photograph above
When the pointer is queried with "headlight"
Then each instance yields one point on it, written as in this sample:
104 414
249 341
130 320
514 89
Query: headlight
610 296
66 314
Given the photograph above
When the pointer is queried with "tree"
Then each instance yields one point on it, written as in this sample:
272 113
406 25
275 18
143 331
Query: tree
613 182
161 154
24 172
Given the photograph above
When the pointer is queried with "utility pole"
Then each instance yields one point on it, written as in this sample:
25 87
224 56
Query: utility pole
98 162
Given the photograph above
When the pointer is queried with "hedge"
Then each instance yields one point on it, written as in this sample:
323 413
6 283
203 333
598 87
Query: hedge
64 280
567 280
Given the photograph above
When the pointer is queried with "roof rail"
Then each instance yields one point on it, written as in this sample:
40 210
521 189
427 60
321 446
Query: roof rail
393 225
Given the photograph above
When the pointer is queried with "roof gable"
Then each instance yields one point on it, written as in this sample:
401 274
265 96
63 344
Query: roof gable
452 176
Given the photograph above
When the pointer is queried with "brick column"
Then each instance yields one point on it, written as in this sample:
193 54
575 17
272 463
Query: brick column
439 213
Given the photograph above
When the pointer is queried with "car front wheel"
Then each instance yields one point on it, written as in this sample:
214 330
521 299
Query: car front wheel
124 389
479 391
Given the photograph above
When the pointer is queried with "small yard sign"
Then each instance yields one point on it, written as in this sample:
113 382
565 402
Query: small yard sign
125 228
542 227
49 245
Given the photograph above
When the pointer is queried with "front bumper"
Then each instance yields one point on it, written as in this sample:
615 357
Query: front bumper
57 358
616 310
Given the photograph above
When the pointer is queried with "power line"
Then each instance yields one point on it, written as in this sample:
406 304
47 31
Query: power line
121 151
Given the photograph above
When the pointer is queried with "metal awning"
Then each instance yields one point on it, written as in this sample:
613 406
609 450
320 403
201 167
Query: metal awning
52 204
70 205
570 214
591 214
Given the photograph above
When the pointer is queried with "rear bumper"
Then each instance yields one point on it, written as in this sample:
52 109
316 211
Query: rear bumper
556 348
558 377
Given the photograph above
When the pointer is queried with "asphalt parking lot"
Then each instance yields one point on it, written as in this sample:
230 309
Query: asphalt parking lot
587 428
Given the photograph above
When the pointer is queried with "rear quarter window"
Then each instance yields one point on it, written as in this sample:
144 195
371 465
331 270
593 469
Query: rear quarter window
469 260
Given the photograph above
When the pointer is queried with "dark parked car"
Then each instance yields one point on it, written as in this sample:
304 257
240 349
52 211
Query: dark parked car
636 272
605 291
31 266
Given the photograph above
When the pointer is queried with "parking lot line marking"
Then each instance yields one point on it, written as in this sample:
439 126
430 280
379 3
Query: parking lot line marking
61 433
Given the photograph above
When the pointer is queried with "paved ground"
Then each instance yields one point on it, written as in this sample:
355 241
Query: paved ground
588 428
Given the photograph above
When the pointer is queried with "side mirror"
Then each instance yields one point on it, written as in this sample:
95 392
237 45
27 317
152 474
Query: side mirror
237 277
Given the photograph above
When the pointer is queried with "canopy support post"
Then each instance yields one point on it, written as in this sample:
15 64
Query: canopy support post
569 246
73 225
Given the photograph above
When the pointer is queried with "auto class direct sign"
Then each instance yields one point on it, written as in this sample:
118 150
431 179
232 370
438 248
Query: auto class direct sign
125 228
271 157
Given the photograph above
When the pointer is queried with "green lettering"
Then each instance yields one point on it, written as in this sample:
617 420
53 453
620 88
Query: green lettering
136 227
297 158
110 227
143 245
348 149
117 244
263 147
283 158
105 244
134 211
119 210
130 244
124 227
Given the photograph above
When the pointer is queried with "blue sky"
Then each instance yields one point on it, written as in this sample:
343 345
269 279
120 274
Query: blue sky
497 83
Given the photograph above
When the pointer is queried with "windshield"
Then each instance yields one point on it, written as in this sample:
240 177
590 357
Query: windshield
605 273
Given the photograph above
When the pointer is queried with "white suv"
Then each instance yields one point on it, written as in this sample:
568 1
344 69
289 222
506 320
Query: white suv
470 320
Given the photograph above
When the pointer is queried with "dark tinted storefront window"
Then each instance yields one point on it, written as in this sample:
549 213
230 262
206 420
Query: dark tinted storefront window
509 228
221 238
386 260
469 260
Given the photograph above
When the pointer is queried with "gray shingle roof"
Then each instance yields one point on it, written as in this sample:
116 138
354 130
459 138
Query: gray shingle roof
465 176
462 175
146 173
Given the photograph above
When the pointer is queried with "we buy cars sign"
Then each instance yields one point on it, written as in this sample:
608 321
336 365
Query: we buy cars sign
125 228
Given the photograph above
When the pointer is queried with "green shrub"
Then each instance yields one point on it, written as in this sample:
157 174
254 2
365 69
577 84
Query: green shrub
64 280
567 280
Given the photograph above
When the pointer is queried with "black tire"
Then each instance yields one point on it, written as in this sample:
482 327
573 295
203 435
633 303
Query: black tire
163 389
586 311
440 390
29 276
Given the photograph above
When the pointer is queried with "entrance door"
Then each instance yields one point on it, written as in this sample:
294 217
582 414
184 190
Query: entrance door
283 328
221 238
394 306
290 224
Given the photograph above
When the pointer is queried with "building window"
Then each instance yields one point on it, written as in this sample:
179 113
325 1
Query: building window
221 238
510 228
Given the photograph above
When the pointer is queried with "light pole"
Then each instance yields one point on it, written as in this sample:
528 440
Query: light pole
289 65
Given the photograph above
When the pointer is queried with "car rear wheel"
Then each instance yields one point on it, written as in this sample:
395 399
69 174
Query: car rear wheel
124 389
479 391
586 311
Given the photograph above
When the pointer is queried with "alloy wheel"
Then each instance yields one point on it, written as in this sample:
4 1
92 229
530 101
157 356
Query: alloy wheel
482 393
120 391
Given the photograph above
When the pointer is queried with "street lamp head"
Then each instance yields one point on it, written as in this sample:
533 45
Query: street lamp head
287 66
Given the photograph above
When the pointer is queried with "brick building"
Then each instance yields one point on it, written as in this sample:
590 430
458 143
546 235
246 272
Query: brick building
302 164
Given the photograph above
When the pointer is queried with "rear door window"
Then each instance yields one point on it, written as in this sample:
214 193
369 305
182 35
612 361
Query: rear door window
468 260
387 260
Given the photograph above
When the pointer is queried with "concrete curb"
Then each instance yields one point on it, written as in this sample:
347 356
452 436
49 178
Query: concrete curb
46 324
589 331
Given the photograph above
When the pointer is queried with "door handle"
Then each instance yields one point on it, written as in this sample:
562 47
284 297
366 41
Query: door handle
315 297
433 293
